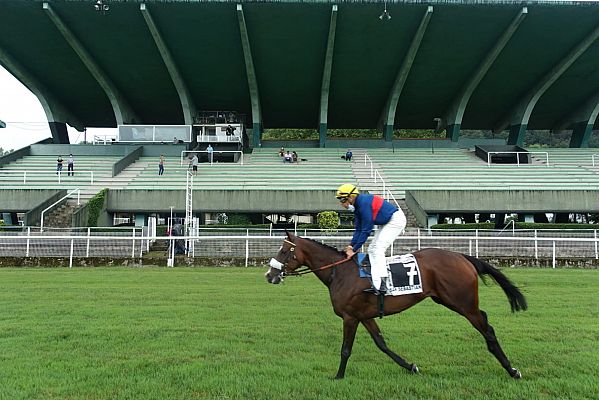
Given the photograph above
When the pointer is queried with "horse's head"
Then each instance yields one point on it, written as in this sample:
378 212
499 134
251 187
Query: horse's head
288 259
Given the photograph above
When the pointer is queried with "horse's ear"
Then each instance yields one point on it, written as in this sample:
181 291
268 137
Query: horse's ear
288 234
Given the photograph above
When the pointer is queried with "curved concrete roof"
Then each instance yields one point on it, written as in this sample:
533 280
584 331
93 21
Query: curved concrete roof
495 63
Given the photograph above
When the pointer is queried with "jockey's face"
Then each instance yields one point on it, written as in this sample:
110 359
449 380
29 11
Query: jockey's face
346 201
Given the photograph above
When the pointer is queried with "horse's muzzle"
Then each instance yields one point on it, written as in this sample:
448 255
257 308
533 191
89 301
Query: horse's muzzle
274 276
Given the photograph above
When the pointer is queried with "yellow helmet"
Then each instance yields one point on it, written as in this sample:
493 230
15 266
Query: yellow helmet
347 190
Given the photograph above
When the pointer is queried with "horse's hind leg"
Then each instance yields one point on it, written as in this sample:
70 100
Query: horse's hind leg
350 326
478 319
372 328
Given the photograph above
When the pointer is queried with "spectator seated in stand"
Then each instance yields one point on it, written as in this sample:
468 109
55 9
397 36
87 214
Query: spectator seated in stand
288 158
282 152
348 155
294 157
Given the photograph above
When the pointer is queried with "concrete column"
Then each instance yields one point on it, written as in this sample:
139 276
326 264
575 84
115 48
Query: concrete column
432 219
140 219
59 132
322 134
7 218
581 134
517 134
453 132
499 220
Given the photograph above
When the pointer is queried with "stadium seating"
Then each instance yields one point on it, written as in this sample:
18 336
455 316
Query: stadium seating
39 172
262 170
455 169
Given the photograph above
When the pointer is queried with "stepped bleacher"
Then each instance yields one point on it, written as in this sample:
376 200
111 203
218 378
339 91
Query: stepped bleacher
39 172
262 170
460 169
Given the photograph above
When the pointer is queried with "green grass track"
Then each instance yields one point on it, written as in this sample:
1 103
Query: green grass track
208 333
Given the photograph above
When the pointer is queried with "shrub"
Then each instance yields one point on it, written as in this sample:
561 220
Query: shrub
328 220
94 207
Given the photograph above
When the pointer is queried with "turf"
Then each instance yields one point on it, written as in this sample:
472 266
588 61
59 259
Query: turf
208 333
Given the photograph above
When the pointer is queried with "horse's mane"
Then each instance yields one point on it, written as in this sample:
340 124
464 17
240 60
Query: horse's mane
326 246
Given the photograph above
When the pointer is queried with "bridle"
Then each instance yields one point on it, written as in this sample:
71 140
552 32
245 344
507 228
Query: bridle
305 270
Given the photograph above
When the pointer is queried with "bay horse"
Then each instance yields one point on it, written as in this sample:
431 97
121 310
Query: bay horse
448 278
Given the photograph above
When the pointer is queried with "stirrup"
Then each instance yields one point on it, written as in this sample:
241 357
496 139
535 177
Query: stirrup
372 290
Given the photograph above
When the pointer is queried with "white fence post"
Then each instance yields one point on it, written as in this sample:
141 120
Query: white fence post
87 245
29 234
554 262
596 253
536 246
71 257
476 243
133 244
247 247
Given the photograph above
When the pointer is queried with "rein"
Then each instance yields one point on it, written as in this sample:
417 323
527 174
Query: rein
308 270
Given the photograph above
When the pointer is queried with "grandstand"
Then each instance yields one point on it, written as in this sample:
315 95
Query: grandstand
433 182
503 66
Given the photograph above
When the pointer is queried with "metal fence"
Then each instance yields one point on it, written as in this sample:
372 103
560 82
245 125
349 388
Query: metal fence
264 243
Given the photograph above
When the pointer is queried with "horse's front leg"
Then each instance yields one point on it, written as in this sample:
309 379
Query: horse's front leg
372 328
350 325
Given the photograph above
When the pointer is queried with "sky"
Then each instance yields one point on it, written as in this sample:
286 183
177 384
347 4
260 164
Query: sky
24 116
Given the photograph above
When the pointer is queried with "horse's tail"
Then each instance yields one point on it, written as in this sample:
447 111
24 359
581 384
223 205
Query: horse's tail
516 298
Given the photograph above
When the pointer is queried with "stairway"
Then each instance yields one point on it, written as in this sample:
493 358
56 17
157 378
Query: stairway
61 216
365 182
115 182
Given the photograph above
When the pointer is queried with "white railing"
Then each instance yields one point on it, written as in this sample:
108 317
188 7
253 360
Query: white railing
593 158
251 247
376 175
517 153
183 153
367 160
223 138
382 181
511 222
58 201
44 175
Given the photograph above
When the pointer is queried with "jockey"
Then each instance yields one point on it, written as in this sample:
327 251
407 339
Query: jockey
370 210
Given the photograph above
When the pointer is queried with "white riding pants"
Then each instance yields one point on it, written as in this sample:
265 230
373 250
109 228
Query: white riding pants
383 238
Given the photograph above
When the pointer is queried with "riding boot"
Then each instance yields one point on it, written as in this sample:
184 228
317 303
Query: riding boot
376 291
383 288
372 290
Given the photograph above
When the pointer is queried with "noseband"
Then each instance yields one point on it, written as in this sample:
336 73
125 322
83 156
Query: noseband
306 269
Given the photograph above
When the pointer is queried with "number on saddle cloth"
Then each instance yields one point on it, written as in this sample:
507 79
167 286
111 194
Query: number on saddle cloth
404 273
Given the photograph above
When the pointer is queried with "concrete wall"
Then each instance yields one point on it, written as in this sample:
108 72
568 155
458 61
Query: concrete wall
33 216
380 143
468 201
17 200
222 200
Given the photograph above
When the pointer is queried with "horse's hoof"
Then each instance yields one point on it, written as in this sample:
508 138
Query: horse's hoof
414 369
516 374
